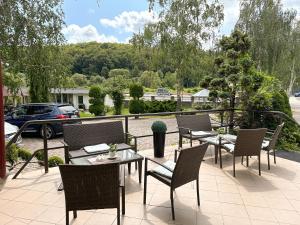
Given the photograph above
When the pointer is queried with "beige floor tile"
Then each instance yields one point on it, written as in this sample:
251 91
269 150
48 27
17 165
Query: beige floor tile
30 211
135 210
11 194
185 217
234 210
210 207
279 203
229 220
289 217
39 223
260 213
228 188
158 214
4 219
100 218
129 221
51 215
262 222
82 218
254 200
48 198
209 219
29 196
149 222
209 195
230 198
295 204
292 195
16 222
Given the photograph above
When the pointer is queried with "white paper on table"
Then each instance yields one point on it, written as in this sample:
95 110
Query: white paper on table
96 148
200 133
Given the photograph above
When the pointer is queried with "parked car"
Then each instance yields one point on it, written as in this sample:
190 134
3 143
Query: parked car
297 94
162 92
10 131
42 111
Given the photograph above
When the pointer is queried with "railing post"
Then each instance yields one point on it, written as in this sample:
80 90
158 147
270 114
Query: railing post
45 148
2 141
126 129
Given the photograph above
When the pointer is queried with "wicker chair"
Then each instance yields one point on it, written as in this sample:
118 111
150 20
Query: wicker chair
269 144
248 143
91 187
189 123
184 171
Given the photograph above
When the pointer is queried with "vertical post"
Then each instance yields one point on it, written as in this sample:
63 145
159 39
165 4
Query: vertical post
126 129
2 142
45 148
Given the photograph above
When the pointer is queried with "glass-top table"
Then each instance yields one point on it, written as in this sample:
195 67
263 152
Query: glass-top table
123 157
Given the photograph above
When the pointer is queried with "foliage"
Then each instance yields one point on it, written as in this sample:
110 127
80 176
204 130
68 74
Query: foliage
181 28
150 79
136 106
12 154
80 80
40 155
118 98
30 38
119 72
160 106
203 106
136 91
24 154
96 80
112 148
14 82
55 161
169 80
159 127
97 95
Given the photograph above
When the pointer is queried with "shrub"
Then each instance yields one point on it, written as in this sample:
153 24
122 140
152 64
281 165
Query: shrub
40 156
55 161
203 106
97 96
160 106
24 154
136 91
159 127
136 106
12 154
117 97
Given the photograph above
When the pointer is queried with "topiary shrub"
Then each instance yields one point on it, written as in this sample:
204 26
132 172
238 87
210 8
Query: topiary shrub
118 98
40 156
12 154
159 127
24 154
136 106
55 161
160 106
97 95
136 91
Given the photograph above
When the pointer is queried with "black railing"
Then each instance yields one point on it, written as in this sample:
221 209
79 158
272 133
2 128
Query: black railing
44 124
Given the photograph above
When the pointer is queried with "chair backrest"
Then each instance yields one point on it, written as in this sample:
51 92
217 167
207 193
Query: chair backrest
188 165
249 142
90 186
275 136
79 135
194 122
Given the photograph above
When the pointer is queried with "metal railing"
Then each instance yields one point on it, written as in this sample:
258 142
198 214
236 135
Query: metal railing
44 124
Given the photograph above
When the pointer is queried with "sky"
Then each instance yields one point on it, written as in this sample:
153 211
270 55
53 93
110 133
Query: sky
117 20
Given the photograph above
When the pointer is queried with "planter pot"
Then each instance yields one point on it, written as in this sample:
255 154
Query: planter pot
159 144
112 154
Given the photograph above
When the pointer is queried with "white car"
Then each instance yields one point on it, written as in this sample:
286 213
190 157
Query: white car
10 130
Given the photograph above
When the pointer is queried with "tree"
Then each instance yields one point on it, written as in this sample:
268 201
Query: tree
118 98
97 95
136 91
96 80
29 40
80 79
275 38
14 82
136 105
179 32
169 80
150 79
119 72
104 72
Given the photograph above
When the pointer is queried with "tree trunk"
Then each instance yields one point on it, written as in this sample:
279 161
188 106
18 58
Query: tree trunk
292 79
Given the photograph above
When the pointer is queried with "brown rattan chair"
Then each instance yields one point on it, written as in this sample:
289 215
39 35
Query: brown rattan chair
189 123
269 144
248 143
184 171
91 187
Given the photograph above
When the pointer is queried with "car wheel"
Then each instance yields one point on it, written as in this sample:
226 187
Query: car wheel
50 133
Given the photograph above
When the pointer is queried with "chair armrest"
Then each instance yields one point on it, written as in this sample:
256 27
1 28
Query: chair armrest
185 128
226 139
64 143
159 164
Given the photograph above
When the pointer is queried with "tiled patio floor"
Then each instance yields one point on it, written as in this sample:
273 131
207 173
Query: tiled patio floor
273 198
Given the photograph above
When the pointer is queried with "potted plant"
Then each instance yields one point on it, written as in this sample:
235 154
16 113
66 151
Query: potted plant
112 150
159 129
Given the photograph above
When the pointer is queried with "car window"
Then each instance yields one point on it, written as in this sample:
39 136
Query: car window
39 109
21 111
66 109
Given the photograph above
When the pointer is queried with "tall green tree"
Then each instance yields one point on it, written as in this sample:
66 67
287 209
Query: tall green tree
30 37
14 82
182 28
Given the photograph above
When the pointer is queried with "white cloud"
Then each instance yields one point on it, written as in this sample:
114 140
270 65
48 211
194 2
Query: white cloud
130 21
76 34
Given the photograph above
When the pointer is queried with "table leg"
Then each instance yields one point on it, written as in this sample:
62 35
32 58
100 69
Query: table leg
140 170
220 155
129 168
216 154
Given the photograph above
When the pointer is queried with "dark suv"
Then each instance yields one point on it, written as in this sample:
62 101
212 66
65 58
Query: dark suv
42 111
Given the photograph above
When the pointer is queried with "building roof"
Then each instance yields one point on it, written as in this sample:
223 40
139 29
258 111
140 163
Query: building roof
203 93
69 91
23 92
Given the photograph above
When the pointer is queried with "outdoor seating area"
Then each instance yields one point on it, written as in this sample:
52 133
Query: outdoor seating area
272 198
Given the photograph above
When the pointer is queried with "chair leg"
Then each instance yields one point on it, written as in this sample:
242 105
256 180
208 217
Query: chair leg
234 166
67 217
136 167
123 200
268 160
172 204
129 168
175 156
180 141
247 161
259 165
216 154
191 142
274 152
220 156
242 160
145 181
118 215
198 194
75 214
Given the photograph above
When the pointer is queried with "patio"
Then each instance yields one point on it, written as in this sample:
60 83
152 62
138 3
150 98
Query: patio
273 198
